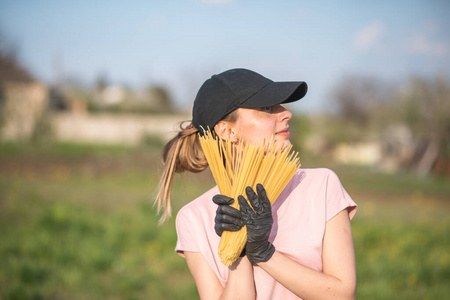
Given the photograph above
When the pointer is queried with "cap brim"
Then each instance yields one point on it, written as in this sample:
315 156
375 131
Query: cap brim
277 93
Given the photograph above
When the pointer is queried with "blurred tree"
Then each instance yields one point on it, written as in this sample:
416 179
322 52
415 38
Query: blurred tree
10 69
368 109
357 98
22 98
101 82
357 110
425 107
160 100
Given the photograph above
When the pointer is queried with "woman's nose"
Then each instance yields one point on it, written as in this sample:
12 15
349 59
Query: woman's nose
284 114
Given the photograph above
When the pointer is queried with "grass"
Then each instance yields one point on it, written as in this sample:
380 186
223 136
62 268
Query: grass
77 222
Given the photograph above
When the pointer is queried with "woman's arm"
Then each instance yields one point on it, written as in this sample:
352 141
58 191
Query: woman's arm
240 284
338 280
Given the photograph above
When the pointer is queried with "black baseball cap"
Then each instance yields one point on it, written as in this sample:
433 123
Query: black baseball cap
224 92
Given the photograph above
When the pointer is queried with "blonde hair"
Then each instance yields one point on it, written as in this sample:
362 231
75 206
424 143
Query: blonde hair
182 153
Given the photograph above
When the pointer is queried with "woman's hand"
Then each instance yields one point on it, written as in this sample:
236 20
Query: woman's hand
259 223
257 218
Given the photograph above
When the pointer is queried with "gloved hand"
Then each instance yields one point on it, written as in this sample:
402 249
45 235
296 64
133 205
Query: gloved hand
227 218
259 223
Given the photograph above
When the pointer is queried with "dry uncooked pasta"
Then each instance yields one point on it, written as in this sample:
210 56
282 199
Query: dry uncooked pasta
235 168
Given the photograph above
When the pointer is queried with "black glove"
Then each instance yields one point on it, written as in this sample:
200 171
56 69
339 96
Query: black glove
227 218
259 223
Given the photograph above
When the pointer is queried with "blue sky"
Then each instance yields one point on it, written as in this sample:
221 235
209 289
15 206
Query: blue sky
181 43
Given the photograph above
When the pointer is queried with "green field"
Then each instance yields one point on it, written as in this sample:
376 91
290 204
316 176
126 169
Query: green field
77 222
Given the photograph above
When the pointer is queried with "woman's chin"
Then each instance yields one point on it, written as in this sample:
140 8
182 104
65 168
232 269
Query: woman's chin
280 144
285 144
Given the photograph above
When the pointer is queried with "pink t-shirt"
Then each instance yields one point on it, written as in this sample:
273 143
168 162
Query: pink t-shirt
300 213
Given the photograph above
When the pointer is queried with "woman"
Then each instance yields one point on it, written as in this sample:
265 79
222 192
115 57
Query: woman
302 246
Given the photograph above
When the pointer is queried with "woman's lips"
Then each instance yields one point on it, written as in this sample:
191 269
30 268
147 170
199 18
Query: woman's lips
284 133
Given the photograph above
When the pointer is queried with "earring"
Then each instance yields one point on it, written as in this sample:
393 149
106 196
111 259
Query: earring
235 141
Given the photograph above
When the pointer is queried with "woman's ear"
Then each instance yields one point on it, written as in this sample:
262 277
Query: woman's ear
223 130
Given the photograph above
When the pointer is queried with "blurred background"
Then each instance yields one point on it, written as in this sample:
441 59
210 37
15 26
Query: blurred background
91 90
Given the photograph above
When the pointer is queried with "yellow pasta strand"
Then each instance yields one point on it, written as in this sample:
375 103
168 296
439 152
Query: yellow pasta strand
235 168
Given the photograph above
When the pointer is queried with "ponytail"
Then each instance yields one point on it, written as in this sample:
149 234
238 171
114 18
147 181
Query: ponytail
181 153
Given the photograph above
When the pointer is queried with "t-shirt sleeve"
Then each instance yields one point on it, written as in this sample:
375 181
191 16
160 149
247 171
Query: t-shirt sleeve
337 198
185 227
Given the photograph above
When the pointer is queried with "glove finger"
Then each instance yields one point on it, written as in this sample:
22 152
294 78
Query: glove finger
222 200
262 195
254 201
219 228
226 219
228 210
246 210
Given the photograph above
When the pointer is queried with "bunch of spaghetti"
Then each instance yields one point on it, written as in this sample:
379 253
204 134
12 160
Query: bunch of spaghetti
236 167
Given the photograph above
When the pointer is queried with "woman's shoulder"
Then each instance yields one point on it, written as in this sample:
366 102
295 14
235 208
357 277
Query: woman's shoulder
316 174
313 179
316 171
200 205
